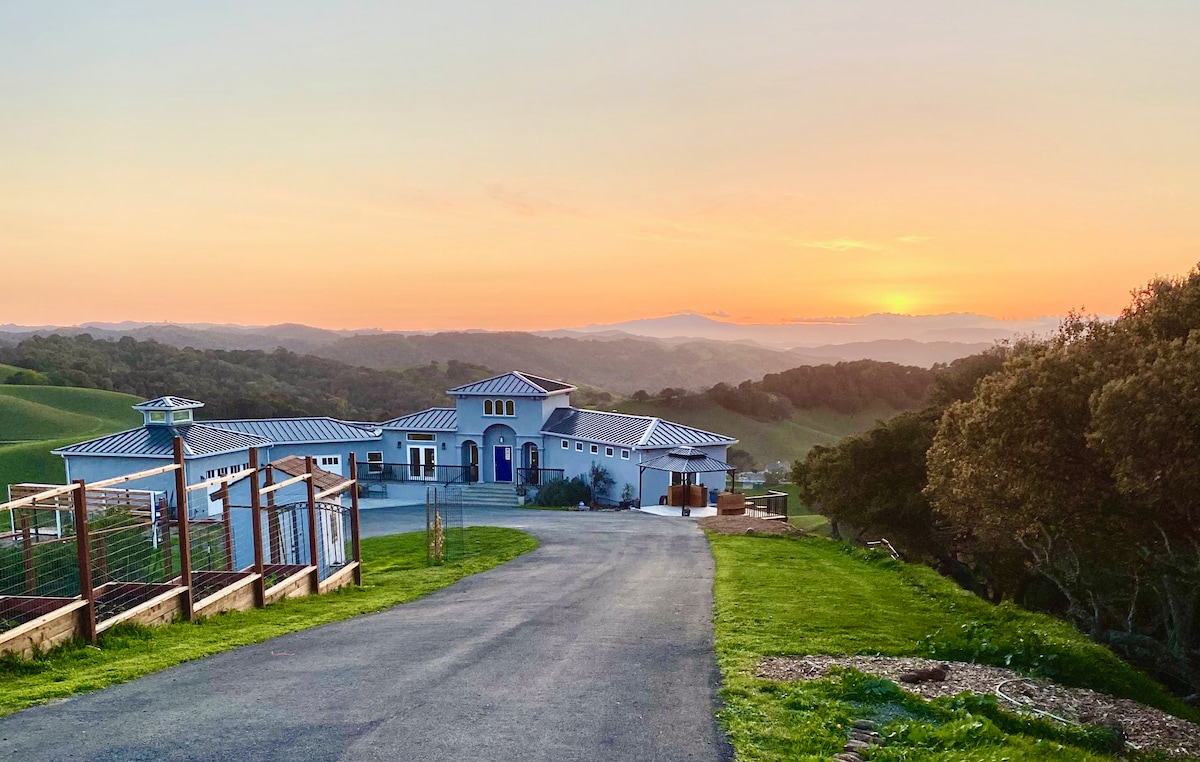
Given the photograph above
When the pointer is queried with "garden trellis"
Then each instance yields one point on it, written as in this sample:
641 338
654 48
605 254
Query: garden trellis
76 559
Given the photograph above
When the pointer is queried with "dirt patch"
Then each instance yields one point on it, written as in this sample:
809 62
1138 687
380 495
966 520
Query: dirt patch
747 525
1145 727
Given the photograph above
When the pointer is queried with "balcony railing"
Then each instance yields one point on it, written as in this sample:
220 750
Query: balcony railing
375 471
773 503
536 477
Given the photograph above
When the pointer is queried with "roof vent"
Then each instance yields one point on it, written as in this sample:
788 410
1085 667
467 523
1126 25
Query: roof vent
168 411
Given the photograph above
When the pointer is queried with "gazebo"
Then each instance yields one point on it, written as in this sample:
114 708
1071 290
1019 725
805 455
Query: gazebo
686 461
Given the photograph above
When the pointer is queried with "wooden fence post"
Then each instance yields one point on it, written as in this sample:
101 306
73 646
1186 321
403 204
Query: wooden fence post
355 543
312 523
260 586
181 510
83 556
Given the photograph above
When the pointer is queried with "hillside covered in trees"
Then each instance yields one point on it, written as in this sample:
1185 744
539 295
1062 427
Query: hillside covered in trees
1062 473
236 384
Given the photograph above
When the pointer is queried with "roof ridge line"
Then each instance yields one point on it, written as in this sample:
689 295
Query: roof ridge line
655 420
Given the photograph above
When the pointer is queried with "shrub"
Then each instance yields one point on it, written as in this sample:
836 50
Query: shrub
560 492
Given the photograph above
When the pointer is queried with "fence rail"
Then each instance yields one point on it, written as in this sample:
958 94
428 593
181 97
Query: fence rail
536 477
422 473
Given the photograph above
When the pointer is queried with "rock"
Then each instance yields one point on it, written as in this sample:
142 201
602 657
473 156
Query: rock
751 531
847 756
858 747
865 736
864 724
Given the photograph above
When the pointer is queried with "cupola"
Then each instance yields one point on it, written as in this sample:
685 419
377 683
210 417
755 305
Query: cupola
168 411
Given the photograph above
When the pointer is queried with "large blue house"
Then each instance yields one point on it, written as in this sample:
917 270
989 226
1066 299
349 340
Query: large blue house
514 429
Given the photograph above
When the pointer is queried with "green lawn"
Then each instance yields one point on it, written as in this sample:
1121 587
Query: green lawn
394 571
36 419
780 596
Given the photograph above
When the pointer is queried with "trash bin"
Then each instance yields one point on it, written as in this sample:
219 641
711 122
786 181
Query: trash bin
712 496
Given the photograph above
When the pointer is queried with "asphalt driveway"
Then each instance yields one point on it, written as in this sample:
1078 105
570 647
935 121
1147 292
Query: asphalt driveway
597 646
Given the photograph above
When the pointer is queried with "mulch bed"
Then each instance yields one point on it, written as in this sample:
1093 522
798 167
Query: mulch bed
1145 727
747 525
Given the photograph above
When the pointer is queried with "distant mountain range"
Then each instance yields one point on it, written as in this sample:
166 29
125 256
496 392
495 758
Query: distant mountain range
689 351
819 333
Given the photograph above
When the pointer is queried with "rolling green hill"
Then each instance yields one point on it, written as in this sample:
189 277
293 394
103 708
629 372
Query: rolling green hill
36 419
767 441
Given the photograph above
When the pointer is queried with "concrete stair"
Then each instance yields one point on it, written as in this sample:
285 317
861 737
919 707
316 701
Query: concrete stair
489 495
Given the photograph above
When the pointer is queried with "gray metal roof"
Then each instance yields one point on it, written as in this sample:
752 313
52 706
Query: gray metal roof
156 442
300 430
625 430
168 403
670 434
686 460
514 384
597 426
433 419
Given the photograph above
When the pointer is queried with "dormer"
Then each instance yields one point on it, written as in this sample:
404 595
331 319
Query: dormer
168 411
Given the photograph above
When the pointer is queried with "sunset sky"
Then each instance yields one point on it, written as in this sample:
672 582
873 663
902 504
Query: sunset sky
534 164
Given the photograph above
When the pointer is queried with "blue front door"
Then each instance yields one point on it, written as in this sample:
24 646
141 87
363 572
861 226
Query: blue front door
504 464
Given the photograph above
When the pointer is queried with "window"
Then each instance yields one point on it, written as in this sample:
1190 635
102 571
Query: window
158 417
421 437
608 452
374 463
223 471
508 408
579 447
624 454
566 445
487 407
595 449
181 416
210 473
331 460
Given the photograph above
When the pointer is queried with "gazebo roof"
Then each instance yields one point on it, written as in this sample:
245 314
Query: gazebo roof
687 460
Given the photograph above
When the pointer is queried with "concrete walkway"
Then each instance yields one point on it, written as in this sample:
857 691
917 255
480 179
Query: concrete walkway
597 646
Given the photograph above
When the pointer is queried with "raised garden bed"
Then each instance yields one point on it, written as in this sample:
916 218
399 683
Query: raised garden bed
214 592
141 602
288 581
29 624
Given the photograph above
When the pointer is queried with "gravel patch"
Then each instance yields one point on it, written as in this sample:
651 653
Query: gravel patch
1145 727
747 525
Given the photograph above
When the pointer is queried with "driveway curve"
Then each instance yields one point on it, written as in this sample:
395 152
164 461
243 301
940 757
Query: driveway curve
596 646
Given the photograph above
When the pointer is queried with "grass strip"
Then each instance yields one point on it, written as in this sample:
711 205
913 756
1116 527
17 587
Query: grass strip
783 596
394 571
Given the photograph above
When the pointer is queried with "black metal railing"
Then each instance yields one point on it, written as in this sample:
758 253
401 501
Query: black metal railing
536 477
375 471
773 503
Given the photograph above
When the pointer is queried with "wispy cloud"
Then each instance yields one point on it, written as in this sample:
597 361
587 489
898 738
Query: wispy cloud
842 244
526 203
914 238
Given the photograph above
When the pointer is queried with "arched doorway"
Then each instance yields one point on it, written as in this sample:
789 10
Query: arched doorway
498 455
531 460
470 460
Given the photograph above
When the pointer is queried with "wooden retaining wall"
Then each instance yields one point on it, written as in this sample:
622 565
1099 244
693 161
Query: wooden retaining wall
237 595
297 585
162 609
341 578
58 625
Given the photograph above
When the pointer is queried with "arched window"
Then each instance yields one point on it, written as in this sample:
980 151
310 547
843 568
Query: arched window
487 407
508 408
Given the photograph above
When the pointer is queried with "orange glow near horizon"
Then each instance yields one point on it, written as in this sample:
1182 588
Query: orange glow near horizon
546 167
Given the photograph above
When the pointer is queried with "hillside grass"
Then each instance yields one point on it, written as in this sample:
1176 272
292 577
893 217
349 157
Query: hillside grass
767 441
781 596
8 370
394 572
36 419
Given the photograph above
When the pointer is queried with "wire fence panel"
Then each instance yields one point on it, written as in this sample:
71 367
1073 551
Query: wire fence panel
287 535
39 566
134 558
445 535
333 538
